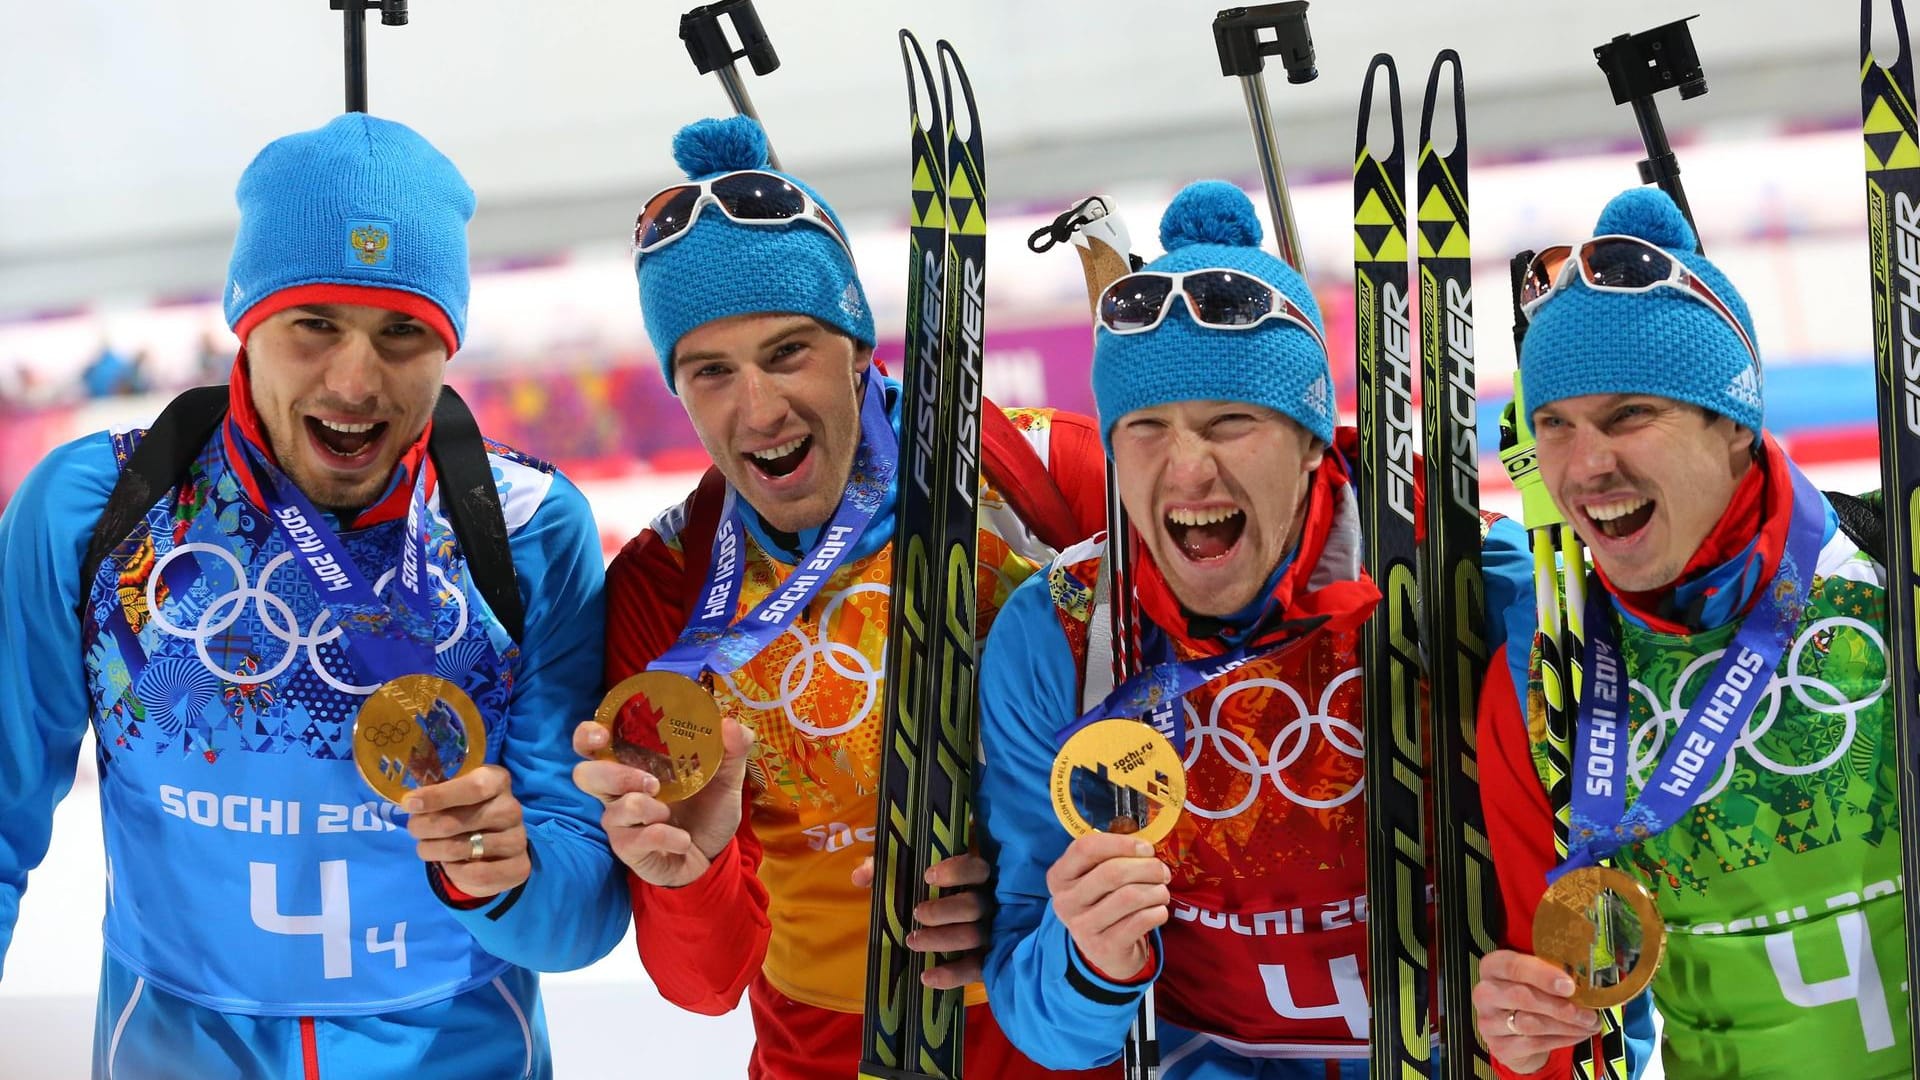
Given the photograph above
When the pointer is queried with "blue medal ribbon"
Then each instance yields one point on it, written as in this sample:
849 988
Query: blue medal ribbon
1153 692
1602 822
715 641
381 642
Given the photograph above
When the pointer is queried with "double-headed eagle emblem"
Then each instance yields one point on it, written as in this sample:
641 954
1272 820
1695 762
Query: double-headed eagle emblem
369 244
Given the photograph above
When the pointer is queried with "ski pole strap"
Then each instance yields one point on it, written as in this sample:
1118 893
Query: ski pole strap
384 643
1602 821
715 641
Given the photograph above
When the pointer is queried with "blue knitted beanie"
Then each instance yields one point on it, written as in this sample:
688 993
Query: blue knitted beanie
1277 364
720 268
361 211
1658 342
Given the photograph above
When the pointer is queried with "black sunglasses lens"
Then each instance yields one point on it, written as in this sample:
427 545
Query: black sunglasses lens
665 215
756 196
1133 301
1624 264
1224 298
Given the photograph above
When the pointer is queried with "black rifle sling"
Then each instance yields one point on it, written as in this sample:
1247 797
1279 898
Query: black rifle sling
468 497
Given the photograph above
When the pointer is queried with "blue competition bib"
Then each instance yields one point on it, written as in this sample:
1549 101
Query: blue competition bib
250 869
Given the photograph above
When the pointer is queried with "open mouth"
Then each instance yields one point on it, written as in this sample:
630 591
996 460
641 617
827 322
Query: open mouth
1207 534
781 460
348 444
1621 518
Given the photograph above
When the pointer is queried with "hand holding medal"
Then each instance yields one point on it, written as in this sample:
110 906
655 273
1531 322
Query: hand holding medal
1601 927
665 725
419 739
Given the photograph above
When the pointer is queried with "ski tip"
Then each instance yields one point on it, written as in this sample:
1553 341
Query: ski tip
1898 15
1363 143
919 73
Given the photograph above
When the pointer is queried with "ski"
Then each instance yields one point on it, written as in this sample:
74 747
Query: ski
1397 936
1467 900
1893 230
931 704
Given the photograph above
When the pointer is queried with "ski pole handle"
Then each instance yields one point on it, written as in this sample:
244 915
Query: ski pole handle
1237 37
392 13
712 54
1637 67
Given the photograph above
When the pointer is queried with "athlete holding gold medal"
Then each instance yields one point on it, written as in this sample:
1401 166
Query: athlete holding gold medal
1733 756
289 576
757 611
1218 852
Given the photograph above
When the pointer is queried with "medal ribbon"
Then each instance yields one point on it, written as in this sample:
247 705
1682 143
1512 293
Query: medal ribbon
716 641
1602 823
383 644
1154 691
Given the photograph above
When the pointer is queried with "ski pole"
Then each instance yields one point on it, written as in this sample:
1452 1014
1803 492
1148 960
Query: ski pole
712 54
1237 38
1100 238
392 13
1639 66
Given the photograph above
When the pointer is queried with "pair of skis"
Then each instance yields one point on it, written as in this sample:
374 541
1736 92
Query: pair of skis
911 1032
932 709
1429 626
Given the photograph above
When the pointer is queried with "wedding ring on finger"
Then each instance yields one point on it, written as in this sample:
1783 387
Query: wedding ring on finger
1512 1028
477 850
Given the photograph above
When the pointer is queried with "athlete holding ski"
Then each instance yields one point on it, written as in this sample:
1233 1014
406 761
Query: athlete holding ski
1215 397
757 882
269 915
1733 752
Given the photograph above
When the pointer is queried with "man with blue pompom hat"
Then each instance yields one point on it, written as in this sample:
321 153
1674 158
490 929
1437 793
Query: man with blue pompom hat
1733 754
219 597
758 884
1248 915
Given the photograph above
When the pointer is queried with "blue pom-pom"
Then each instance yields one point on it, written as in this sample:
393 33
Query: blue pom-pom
1209 212
709 147
1650 214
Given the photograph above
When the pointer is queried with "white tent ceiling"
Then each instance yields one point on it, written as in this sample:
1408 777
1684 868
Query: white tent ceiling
123 125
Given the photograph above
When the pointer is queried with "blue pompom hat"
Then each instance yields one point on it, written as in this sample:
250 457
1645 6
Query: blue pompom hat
1659 342
361 211
719 267
1276 364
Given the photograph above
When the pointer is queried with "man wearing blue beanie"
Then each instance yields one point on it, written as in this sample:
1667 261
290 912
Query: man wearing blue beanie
272 564
1248 917
1734 751
758 884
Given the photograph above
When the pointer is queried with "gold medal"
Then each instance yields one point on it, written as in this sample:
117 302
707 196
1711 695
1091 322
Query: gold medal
1602 927
667 725
414 731
1119 776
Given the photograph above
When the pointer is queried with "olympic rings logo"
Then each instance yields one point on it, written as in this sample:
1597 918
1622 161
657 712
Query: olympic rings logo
1289 745
1650 739
843 660
388 734
275 616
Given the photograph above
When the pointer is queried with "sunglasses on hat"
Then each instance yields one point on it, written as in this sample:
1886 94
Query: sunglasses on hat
1621 264
1217 298
750 197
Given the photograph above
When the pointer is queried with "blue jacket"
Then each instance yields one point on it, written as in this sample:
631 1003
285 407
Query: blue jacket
232 811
